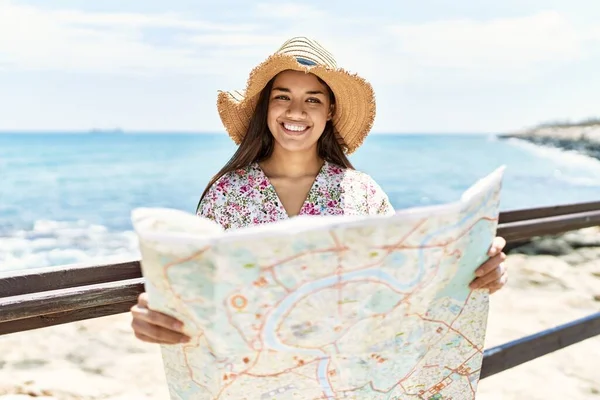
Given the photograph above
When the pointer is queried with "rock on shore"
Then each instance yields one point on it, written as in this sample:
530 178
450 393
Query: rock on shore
584 138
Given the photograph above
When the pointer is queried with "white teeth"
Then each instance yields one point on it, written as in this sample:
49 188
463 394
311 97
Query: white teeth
296 128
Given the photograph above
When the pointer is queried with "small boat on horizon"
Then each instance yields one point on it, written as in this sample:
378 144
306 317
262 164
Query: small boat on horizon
115 131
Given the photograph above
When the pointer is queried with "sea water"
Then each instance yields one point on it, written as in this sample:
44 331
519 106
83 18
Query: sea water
67 197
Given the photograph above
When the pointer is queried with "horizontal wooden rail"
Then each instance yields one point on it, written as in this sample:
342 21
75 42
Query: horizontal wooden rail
509 355
544 212
25 281
62 300
64 317
519 230
37 310
514 226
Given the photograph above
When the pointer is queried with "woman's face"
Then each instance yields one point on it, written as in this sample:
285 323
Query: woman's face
299 108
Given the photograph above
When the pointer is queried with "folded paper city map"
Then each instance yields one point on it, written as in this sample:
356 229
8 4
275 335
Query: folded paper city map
324 307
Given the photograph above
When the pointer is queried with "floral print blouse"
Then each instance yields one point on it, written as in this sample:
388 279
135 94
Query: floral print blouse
246 197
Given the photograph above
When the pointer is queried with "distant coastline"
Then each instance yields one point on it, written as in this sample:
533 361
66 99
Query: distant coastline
582 137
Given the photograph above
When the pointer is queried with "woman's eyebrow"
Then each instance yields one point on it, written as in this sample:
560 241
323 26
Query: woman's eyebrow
286 90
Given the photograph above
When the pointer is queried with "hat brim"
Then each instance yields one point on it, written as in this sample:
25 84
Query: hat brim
354 109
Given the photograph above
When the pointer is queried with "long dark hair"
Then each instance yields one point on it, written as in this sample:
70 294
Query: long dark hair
257 144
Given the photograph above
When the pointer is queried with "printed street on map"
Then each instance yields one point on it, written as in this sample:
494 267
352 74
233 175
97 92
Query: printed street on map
325 307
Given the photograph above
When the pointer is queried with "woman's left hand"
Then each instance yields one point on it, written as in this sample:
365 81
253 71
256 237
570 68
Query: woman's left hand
492 274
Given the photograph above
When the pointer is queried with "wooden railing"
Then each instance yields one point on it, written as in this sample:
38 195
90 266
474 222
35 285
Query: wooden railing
38 298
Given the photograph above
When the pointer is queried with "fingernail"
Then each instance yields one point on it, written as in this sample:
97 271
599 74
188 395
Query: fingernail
479 272
184 340
493 251
177 325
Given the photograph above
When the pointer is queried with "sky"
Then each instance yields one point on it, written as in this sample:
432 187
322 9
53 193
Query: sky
474 66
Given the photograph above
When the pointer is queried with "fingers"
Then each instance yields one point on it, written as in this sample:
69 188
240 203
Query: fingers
490 265
144 338
143 299
497 246
497 285
156 334
492 274
155 327
496 278
156 318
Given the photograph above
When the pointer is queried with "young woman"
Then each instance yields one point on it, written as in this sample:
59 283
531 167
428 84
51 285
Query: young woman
299 118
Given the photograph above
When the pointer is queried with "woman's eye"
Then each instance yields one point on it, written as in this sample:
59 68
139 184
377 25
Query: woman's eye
313 100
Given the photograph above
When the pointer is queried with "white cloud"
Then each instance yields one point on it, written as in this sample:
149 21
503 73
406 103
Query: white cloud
235 40
131 20
34 38
510 49
497 44
289 10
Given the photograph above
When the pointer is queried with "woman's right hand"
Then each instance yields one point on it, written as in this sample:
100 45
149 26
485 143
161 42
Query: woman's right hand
155 327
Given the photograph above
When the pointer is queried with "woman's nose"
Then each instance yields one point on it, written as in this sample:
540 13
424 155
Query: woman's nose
295 110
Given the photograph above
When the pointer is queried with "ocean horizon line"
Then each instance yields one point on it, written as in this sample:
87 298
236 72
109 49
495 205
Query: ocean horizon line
108 132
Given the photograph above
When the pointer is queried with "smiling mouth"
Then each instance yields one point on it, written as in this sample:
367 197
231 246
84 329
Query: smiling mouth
294 129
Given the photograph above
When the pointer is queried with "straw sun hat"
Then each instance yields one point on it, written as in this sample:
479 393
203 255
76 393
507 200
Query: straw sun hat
355 100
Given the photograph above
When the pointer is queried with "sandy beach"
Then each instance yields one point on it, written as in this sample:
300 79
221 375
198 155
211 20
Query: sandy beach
101 359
